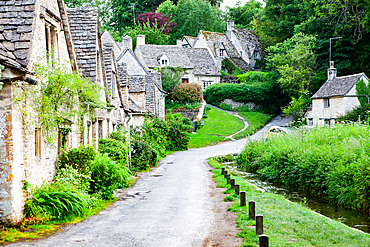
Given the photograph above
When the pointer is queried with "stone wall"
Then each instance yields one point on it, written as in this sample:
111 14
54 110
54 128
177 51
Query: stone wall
235 104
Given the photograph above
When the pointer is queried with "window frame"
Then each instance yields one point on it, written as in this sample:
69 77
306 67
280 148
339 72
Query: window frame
326 103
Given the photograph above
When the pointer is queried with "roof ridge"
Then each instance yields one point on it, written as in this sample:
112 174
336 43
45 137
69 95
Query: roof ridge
349 75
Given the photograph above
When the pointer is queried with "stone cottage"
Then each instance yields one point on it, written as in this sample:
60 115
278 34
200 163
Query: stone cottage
85 30
28 29
242 47
198 64
335 98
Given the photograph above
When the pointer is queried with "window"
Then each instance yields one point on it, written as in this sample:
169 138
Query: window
164 62
113 83
100 129
255 55
310 121
223 68
185 80
327 122
37 142
51 39
88 132
206 84
185 46
241 53
222 52
326 103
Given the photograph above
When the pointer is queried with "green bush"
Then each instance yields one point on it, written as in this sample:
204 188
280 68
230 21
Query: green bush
360 112
174 104
333 163
73 177
185 92
142 156
178 137
77 158
108 175
118 136
226 107
116 150
57 200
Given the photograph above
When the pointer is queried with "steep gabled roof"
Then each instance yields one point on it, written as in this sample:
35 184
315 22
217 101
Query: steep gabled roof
216 39
340 86
249 41
198 59
16 32
190 40
107 38
126 52
84 25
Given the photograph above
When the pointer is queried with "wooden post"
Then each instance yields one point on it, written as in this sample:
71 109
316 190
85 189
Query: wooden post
252 210
264 241
228 178
242 199
225 174
223 171
232 183
237 189
259 224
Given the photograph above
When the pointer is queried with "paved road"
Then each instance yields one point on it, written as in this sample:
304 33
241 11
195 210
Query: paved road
169 206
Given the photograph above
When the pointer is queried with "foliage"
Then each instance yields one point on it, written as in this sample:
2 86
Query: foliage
256 121
187 92
142 155
329 162
171 77
294 59
266 94
104 7
153 35
167 8
107 176
118 136
257 77
73 177
231 67
194 15
358 114
296 108
178 137
116 150
243 15
156 20
363 89
172 104
58 99
57 200
77 158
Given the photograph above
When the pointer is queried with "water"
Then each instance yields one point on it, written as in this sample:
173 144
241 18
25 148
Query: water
350 217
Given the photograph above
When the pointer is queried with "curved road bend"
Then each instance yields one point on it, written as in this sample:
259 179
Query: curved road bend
169 206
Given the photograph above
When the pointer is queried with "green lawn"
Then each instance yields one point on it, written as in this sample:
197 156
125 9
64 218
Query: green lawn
256 121
286 223
218 125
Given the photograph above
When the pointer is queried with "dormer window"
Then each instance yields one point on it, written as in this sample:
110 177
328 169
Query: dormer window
164 62
241 53
222 52
256 55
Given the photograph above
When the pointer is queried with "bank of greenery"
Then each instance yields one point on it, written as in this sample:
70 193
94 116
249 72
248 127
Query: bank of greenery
86 180
286 223
333 163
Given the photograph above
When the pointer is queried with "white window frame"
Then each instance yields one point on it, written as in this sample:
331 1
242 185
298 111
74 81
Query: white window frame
326 103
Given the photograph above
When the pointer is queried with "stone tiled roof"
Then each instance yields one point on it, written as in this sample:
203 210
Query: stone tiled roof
340 86
198 59
108 59
107 38
136 83
249 41
122 74
217 39
16 20
134 107
84 25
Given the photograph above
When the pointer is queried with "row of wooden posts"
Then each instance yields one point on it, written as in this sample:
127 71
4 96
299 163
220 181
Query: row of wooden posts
263 239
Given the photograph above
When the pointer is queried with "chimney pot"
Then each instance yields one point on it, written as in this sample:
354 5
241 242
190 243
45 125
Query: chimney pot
140 40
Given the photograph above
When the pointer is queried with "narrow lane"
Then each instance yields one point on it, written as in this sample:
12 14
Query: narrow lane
169 206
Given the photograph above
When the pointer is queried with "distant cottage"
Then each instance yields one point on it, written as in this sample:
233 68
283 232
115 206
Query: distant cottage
335 98
242 47
198 64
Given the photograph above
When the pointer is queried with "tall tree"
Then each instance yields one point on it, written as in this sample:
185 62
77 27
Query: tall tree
104 7
243 15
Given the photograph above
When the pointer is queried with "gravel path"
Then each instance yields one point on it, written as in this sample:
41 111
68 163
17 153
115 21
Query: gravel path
173 205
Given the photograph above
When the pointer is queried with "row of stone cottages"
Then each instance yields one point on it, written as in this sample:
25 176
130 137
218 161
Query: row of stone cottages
28 30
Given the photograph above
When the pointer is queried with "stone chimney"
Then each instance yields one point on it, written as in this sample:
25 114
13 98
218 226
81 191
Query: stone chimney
230 25
127 42
332 72
140 40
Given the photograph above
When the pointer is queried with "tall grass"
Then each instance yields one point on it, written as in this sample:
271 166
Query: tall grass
333 163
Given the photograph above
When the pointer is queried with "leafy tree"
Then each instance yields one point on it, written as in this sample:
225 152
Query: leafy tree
167 8
157 20
194 15
243 15
171 77
104 7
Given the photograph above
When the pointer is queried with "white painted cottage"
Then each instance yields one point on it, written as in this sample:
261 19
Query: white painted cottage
335 98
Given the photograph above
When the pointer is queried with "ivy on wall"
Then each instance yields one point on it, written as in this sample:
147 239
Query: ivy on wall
58 100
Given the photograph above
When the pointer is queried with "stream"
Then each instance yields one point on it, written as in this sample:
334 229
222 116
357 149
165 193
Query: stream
350 217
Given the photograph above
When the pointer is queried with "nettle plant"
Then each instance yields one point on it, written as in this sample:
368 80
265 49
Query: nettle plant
58 100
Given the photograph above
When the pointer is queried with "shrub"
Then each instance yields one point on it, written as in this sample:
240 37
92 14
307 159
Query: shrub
142 156
116 150
73 177
108 175
173 104
185 92
77 158
57 200
178 137
226 107
118 136
360 112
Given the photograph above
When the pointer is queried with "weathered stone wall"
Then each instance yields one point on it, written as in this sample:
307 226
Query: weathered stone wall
235 104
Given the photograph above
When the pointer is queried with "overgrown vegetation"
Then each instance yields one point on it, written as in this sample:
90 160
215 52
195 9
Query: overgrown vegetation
332 163
185 92
299 226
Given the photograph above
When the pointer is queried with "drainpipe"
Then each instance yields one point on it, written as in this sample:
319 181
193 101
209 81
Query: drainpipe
129 141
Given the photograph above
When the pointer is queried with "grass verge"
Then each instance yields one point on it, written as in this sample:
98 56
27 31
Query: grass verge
286 223
30 232
218 124
256 121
